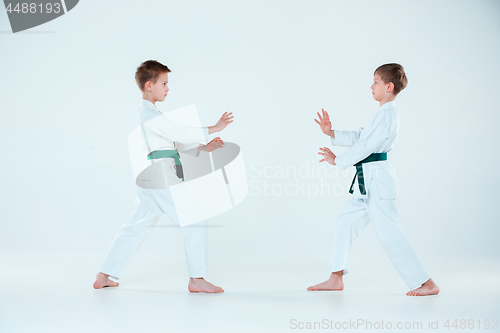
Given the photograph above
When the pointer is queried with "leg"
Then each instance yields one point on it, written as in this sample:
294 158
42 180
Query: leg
129 238
348 226
195 248
384 217
195 245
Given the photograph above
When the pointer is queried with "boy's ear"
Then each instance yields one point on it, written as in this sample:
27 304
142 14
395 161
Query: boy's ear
390 87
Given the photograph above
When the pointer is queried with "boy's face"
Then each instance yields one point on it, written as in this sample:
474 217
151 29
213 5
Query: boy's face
160 89
380 89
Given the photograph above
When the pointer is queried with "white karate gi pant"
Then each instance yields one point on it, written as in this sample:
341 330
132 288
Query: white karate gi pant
382 213
149 205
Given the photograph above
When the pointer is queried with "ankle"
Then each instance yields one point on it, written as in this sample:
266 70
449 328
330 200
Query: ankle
428 282
338 274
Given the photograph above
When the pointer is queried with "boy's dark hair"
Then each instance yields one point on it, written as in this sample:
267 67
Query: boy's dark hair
149 70
393 73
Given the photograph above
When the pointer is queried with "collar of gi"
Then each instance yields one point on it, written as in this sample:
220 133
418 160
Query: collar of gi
148 104
386 105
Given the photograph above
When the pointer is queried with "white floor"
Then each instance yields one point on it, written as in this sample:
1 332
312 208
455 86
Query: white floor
54 294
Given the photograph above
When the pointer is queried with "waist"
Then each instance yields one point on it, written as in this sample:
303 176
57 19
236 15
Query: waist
172 153
373 158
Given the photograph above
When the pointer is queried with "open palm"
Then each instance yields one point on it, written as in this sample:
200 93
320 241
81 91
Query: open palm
324 122
328 155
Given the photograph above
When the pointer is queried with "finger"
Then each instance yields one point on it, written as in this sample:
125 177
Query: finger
320 119
317 122
322 160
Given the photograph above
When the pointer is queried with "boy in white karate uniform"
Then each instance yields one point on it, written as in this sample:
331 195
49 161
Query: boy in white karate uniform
152 78
374 187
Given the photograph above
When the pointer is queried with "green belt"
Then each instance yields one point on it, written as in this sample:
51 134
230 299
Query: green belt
172 153
359 170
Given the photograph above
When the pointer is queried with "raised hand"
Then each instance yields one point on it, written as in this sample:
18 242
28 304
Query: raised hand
324 123
328 155
225 120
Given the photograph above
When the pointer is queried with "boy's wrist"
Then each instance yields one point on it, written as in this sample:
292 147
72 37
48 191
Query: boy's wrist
331 133
212 129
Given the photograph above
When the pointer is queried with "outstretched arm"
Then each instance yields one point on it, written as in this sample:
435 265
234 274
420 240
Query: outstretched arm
346 138
225 120
383 128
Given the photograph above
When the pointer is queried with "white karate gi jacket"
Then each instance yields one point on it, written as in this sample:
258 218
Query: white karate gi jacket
379 135
163 133
150 204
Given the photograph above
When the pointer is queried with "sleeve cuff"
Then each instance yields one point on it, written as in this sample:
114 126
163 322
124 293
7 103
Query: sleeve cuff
205 133
336 140
339 161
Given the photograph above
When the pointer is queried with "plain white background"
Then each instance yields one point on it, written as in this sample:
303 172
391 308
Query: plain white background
69 100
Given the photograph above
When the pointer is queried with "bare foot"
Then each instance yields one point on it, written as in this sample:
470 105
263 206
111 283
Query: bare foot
333 283
199 285
428 288
102 280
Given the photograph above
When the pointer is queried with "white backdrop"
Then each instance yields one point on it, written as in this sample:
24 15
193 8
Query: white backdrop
69 100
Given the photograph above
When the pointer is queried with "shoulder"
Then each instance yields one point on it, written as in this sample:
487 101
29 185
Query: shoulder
389 117
146 113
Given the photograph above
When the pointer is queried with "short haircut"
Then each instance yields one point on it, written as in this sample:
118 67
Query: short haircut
149 70
393 73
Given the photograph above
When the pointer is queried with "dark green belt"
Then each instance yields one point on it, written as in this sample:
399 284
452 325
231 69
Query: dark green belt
359 170
172 153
